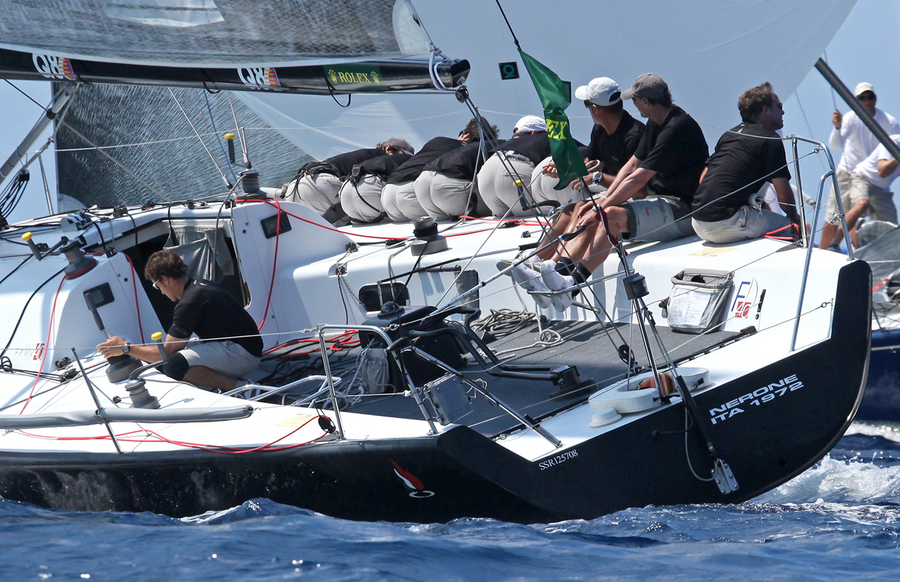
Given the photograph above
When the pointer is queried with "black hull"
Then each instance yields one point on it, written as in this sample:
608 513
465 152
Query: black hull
462 473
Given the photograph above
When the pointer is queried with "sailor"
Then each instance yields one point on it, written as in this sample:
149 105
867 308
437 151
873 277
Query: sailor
857 198
230 345
648 200
614 139
447 188
318 184
514 164
360 193
726 206
399 195
879 170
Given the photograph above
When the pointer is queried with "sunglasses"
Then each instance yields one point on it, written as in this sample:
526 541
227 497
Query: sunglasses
588 104
866 97
155 282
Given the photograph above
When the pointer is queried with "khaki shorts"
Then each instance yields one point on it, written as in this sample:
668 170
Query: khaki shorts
747 223
658 219
853 189
225 357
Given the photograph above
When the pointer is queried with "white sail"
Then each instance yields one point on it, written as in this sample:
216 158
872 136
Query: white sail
709 51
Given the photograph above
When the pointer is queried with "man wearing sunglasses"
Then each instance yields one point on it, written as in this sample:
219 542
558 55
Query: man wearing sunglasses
230 345
858 195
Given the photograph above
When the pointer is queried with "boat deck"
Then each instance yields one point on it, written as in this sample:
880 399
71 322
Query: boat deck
591 347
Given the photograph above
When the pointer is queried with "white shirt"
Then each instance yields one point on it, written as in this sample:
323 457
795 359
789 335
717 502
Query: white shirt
868 168
856 139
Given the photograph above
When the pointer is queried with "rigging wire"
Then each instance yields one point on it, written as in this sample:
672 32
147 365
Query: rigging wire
200 139
212 120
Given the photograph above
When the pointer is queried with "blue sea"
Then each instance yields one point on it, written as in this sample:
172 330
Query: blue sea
840 520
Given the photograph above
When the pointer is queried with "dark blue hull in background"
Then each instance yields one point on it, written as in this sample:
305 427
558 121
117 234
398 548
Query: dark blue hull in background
882 399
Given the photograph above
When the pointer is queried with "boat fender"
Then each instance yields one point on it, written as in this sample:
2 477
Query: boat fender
668 383
176 366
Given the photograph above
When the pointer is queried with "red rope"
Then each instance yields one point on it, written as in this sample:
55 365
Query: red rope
190 445
274 265
137 301
46 347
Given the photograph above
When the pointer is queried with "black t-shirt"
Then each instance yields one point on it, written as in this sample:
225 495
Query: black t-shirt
382 166
676 151
431 151
345 162
212 313
745 157
459 163
617 148
534 146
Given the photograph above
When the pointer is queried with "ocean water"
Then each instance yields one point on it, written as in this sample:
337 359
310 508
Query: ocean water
840 520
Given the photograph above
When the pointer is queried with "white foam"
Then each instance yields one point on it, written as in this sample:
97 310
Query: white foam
837 481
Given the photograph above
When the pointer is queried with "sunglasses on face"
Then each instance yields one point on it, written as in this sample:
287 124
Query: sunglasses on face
155 284
866 97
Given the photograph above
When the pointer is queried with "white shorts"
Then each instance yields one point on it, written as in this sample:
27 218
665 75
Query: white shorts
362 201
453 196
543 188
853 189
497 183
317 191
423 195
400 202
225 357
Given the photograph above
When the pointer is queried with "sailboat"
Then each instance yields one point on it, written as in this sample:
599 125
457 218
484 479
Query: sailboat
385 394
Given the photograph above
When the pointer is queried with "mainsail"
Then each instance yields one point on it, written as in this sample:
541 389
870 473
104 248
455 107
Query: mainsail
279 46
709 52
236 45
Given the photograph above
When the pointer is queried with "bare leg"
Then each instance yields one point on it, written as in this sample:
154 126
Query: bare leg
203 376
859 208
554 231
599 247
828 232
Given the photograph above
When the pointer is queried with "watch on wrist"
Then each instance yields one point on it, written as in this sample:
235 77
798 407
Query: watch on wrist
126 348
598 177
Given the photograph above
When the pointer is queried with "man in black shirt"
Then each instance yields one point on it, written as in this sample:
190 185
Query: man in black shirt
230 345
446 186
746 157
361 192
399 195
514 160
318 184
614 140
650 197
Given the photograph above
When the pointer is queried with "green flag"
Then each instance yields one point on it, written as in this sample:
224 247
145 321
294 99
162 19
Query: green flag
556 95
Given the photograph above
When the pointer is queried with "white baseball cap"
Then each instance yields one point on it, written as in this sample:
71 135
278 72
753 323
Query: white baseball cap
601 91
862 88
530 123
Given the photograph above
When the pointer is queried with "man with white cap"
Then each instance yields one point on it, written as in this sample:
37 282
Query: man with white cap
665 168
514 162
615 135
859 196
614 139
